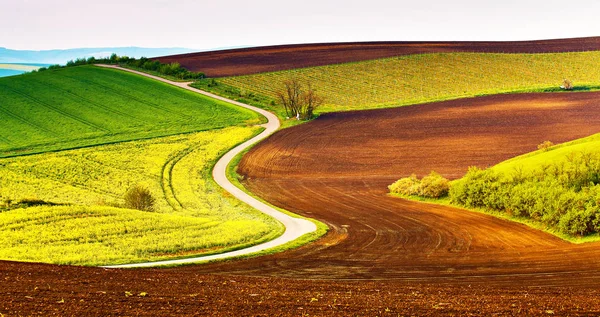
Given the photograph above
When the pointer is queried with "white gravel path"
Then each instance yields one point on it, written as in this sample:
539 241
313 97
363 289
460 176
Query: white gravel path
294 227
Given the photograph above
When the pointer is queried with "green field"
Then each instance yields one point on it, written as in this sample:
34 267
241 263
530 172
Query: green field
87 105
193 215
420 78
556 154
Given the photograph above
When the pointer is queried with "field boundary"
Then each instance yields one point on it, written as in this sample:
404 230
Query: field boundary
294 227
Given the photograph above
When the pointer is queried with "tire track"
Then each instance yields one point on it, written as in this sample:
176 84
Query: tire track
294 227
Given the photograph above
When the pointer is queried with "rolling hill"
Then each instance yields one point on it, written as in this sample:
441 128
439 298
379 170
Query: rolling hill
84 106
246 61
420 78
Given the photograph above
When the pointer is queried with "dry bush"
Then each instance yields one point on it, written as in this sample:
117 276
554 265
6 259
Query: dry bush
567 85
545 146
140 198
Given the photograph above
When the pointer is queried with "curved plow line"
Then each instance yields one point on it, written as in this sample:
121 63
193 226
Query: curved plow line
166 177
25 121
143 102
59 111
91 102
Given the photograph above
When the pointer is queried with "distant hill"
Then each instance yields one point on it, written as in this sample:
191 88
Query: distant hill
244 61
62 56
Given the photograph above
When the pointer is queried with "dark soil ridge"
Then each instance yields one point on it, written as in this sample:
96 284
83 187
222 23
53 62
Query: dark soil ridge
283 57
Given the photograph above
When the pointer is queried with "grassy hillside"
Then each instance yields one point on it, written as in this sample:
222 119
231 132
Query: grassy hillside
420 78
556 154
87 105
193 215
556 189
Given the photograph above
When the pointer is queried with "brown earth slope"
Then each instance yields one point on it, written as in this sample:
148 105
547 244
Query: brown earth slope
273 58
337 169
383 255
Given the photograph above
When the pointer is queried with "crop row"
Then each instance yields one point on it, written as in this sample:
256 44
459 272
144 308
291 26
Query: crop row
87 105
427 77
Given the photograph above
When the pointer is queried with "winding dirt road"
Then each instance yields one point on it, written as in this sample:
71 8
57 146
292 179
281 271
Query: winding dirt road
294 227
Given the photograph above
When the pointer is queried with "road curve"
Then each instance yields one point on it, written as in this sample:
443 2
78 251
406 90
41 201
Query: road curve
294 227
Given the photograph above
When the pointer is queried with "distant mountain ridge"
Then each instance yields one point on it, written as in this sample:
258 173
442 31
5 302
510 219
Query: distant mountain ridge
63 56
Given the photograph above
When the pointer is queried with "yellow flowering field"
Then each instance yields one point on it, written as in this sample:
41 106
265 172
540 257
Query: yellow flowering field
193 215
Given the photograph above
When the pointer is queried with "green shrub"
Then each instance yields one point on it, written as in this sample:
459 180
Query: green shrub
474 187
564 194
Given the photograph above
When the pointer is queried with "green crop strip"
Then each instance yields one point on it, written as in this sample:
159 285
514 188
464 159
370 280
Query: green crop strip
84 106
413 79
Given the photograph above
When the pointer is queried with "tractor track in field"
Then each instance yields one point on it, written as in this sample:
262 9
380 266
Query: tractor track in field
294 227
383 255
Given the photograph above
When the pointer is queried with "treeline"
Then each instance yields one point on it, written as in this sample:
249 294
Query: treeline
564 195
171 69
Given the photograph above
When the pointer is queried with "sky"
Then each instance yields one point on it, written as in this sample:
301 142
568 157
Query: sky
211 24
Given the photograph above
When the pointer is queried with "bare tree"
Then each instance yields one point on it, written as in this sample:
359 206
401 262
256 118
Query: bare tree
289 96
297 100
311 101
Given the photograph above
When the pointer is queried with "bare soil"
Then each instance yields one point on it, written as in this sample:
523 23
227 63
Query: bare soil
274 58
383 256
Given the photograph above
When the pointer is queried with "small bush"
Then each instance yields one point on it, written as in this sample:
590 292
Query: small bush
434 186
567 85
431 186
545 146
406 186
140 198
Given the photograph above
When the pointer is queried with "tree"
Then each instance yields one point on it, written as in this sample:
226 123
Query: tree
298 100
311 101
140 198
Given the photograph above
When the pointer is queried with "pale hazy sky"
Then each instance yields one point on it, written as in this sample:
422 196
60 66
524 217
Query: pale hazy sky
205 24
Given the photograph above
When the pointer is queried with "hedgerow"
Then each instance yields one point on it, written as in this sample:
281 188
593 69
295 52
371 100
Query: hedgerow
564 195
173 69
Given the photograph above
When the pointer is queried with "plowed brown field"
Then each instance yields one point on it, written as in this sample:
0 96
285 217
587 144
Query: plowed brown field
384 255
273 58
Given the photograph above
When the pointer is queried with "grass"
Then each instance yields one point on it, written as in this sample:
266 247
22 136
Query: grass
560 152
87 105
194 216
421 78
